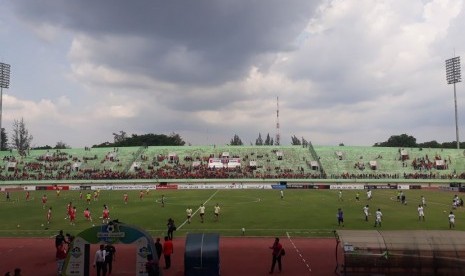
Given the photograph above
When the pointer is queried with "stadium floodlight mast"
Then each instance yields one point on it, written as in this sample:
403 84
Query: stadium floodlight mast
4 83
453 77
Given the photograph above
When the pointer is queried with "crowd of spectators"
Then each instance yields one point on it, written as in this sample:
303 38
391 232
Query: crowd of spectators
64 166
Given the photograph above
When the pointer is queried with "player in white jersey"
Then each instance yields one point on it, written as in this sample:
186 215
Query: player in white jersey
379 217
217 211
189 214
366 211
201 212
369 195
421 213
451 220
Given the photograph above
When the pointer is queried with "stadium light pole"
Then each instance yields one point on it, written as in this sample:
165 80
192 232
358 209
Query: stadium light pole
4 83
453 77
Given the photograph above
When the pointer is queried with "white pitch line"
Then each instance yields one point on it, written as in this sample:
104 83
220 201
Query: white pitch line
182 224
297 250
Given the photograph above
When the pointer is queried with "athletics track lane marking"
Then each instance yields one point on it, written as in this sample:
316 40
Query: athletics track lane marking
182 224
298 252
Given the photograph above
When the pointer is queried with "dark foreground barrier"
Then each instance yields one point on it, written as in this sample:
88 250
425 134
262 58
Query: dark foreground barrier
202 256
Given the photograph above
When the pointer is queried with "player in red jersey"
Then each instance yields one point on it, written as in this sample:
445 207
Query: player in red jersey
28 195
69 209
125 198
44 201
141 195
72 216
105 214
87 214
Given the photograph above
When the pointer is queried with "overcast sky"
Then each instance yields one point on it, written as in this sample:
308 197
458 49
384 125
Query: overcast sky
345 71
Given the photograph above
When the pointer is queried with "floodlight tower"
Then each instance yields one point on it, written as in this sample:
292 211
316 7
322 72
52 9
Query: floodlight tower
453 77
278 135
4 83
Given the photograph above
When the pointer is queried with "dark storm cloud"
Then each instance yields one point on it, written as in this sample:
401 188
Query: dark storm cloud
177 41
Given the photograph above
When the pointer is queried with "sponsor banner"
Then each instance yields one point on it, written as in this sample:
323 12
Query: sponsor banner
51 188
453 189
373 187
12 188
300 186
347 187
76 256
322 187
403 187
167 187
415 187
29 188
134 187
101 187
75 188
278 187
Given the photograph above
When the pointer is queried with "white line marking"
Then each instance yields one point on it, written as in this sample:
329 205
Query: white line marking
297 250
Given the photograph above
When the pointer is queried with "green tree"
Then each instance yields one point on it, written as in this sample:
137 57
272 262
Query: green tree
146 140
268 140
402 140
295 141
259 141
120 137
61 145
236 141
4 145
21 137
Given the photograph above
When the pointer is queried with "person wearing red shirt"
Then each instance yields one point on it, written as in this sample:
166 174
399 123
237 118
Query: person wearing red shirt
141 195
60 257
105 214
87 214
167 251
28 195
72 216
69 209
276 254
44 201
125 198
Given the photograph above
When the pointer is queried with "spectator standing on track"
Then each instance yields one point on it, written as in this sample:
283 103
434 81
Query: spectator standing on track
158 248
60 257
59 239
171 228
152 266
167 252
378 218
201 212
110 256
276 255
99 261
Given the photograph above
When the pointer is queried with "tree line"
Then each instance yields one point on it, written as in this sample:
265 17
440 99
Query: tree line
21 140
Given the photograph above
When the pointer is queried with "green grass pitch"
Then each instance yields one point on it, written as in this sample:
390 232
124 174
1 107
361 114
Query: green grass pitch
259 212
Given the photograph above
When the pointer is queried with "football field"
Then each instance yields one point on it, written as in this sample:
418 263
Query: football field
251 212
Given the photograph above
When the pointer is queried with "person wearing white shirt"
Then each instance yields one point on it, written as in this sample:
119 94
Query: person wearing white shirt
366 211
99 261
189 214
378 216
201 212
217 211
451 220
421 213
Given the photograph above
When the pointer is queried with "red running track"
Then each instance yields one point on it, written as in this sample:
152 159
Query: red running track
238 256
